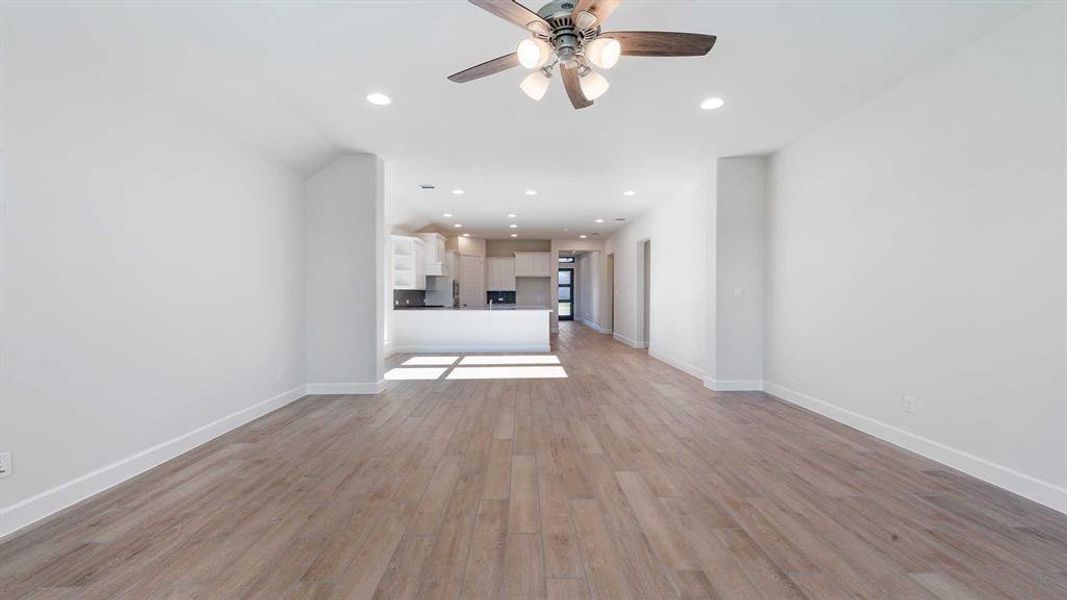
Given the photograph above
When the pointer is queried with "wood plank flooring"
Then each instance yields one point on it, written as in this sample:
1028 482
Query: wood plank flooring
625 480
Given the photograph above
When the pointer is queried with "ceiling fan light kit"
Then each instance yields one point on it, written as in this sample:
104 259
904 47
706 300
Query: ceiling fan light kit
536 84
603 52
593 84
567 34
534 52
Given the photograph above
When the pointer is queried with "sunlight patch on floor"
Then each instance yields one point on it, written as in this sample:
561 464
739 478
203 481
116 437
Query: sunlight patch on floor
415 373
528 359
509 372
425 361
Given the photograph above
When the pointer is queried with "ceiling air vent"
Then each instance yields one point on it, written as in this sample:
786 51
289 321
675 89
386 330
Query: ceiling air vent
427 186
619 219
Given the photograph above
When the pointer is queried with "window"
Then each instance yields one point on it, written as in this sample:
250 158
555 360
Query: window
566 259
565 294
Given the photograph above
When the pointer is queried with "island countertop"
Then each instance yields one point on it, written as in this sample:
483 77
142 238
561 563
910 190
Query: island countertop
474 308
512 329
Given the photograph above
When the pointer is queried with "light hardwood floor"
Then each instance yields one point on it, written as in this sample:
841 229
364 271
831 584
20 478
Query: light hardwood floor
625 480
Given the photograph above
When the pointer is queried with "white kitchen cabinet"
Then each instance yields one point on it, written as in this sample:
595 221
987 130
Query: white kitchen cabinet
409 262
543 264
533 264
436 263
501 274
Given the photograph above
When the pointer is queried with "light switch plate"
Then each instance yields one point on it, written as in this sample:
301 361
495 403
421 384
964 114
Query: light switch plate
909 403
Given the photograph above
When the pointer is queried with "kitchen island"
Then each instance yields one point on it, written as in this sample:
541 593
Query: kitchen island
518 329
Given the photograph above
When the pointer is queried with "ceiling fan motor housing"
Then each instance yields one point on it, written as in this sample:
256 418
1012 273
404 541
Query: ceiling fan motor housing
565 36
557 10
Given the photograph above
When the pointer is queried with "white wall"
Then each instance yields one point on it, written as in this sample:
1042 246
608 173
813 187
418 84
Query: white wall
346 276
678 228
152 282
585 269
917 246
740 208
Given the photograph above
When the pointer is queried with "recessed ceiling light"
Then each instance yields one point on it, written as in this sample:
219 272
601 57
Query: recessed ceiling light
629 193
466 235
583 236
712 103
379 99
457 225
512 215
531 192
599 221
458 192
513 226
447 215
514 235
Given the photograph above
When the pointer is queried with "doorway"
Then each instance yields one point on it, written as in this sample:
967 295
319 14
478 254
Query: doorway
565 294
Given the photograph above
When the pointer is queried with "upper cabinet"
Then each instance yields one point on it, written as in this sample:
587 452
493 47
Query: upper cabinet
436 258
409 262
533 264
501 274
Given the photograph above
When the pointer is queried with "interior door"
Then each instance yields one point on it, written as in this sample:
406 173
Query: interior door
471 282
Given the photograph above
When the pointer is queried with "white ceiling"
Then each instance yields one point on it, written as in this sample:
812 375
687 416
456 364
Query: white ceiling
289 80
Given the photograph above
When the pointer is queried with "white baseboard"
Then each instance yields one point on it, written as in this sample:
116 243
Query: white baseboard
48 502
629 341
345 388
435 348
681 365
736 385
592 325
1039 491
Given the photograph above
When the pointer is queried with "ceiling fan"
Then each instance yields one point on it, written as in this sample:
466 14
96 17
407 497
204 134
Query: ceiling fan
566 33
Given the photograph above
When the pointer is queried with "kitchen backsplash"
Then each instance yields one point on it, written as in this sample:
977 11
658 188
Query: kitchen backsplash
500 297
409 297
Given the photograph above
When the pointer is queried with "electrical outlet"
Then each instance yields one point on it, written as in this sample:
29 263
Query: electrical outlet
5 464
909 403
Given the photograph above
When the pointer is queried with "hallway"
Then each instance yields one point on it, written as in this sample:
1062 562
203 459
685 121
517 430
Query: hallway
625 479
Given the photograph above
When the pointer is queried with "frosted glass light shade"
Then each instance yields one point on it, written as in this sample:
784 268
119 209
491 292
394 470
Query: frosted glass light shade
535 85
604 52
594 85
533 52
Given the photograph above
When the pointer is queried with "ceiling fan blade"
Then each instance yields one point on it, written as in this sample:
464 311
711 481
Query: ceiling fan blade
574 87
512 11
662 43
598 8
487 68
